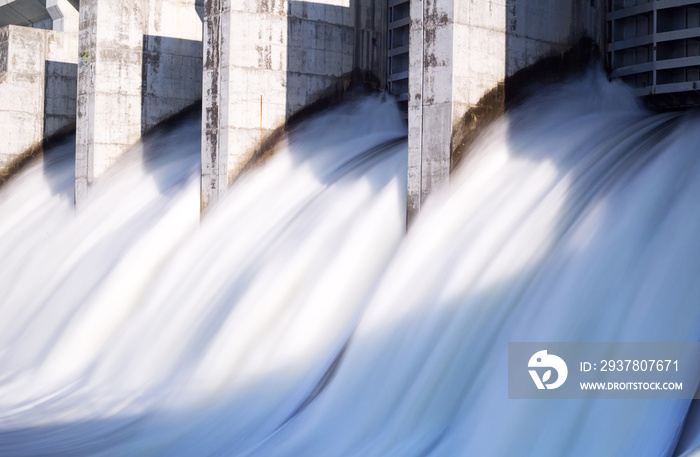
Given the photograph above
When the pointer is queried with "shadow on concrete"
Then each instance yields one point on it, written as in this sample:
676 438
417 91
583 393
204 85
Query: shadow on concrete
320 75
171 107
518 88
531 28
199 6
170 154
443 316
464 331
317 66
57 151
55 156
172 78
60 87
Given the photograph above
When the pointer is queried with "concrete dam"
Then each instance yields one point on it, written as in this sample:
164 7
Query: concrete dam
114 70
128 67
203 228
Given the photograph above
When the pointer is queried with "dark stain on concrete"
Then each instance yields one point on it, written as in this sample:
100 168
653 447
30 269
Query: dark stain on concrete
4 43
489 108
350 85
212 59
431 22
513 21
22 161
264 57
518 88
213 25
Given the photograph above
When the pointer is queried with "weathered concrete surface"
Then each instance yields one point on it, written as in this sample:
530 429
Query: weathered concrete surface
172 59
266 60
461 50
62 75
37 88
109 86
140 62
28 13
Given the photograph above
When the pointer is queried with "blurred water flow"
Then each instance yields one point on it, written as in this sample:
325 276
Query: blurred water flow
299 319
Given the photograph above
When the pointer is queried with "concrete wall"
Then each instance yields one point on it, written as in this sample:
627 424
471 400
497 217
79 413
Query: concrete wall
172 59
460 50
62 73
109 86
140 62
37 87
266 60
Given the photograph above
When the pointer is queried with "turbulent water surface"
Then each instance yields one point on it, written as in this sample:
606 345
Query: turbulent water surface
298 318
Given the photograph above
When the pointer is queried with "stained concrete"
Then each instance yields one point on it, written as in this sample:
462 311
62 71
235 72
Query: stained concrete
460 50
37 88
109 86
266 60
37 74
140 62
172 59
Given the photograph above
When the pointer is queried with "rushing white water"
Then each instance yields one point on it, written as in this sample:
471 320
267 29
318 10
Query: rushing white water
299 320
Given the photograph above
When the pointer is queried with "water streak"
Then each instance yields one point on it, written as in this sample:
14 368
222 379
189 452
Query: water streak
299 319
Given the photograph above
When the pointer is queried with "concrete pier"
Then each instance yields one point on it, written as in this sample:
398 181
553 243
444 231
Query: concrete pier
261 62
37 82
140 62
266 60
460 50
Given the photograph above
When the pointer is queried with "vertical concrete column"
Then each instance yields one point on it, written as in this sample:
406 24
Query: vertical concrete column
246 94
415 110
215 94
109 86
266 60
64 15
431 100
140 63
461 54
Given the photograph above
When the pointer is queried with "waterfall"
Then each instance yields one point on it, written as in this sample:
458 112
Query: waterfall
298 318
